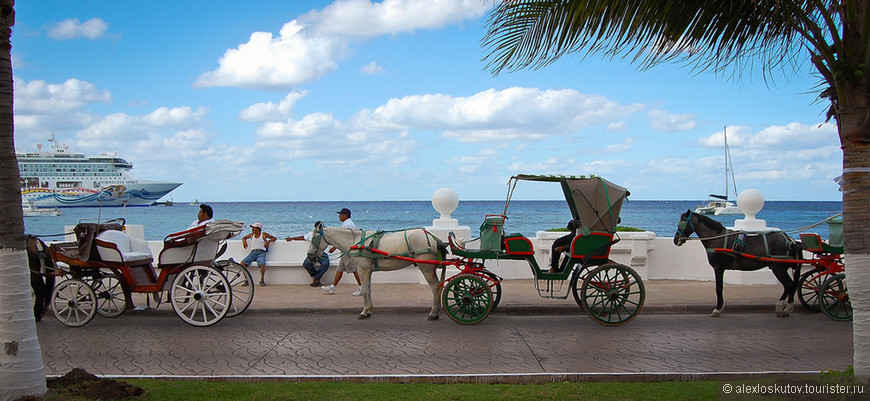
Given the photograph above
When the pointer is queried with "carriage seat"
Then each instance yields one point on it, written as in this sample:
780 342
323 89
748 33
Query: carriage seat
116 246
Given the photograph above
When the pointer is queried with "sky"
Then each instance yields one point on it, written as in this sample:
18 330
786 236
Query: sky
391 100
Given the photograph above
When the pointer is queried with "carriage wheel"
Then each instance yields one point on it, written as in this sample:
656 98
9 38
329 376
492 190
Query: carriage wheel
810 286
579 276
834 298
200 295
241 282
467 299
74 302
612 294
494 284
111 300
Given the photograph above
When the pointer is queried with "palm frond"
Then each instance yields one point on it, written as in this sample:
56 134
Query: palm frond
709 34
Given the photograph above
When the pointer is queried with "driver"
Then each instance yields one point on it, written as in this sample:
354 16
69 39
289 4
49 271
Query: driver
562 244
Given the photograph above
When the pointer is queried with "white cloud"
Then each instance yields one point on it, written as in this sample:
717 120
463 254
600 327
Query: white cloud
497 115
267 62
776 137
115 130
364 19
309 47
372 68
39 97
617 126
663 121
269 111
73 28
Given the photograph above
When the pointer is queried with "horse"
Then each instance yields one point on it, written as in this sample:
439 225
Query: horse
380 251
42 269
746 252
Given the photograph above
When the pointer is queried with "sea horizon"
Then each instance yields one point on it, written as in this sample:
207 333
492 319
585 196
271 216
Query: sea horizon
292 218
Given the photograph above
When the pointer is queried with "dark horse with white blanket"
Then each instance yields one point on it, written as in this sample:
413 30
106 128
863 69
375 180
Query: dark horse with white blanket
746 251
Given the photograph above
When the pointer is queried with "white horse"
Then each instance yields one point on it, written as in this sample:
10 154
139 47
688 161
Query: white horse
380 251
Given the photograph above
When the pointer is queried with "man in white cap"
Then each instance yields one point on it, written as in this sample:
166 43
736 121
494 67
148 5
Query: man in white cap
258 241
344 264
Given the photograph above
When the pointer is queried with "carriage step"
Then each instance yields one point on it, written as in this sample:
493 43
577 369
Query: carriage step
554 289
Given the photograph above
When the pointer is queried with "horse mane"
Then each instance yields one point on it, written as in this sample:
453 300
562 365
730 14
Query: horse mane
710 222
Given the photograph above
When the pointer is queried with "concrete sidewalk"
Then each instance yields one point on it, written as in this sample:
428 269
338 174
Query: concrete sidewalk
297 332
520 296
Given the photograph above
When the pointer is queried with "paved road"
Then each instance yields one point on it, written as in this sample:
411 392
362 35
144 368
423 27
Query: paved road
277 344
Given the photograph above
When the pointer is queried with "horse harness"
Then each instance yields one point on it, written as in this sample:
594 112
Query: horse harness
367 247
735 242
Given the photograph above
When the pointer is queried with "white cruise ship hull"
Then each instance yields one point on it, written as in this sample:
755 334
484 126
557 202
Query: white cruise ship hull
134 193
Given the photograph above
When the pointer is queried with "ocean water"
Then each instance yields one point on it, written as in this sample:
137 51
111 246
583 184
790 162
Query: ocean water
284 219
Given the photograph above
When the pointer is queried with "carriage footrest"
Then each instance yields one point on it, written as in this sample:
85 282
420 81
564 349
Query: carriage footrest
555 289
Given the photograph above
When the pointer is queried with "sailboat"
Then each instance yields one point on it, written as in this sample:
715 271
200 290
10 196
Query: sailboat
719 204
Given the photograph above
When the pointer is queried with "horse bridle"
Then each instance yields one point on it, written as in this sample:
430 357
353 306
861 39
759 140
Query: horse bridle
681 227
316 242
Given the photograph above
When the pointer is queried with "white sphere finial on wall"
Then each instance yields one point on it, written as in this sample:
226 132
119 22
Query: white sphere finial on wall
750 203
445 201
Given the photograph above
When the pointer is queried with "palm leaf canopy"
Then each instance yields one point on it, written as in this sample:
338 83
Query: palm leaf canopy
709 33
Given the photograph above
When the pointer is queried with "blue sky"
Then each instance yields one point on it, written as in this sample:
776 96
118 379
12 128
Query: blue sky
362 100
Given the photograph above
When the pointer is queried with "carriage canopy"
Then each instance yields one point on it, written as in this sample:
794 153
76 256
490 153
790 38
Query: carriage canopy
594 200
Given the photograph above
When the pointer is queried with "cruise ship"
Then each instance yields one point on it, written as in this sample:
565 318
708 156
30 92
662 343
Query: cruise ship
60 178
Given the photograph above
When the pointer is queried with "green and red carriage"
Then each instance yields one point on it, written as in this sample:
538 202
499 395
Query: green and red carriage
611 293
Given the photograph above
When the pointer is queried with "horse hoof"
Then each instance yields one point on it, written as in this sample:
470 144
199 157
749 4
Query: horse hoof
715 313
431 318
361 316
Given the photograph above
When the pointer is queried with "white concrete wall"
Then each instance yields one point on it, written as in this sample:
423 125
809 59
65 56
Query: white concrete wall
653 258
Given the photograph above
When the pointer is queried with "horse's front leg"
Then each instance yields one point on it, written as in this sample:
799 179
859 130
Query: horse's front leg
365 277
785 305
720 301
429 272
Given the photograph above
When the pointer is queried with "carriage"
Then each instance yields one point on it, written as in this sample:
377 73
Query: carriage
611 293
104 266
823 289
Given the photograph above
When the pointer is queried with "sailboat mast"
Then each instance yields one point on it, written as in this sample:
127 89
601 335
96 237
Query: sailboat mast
727 164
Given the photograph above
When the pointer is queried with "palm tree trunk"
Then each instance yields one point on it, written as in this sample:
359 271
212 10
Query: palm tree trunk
855 140
856 241
21 369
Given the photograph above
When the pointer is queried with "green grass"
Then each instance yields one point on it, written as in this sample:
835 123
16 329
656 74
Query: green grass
269 390
191 390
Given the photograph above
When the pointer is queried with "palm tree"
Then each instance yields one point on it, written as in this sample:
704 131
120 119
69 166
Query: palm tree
21 369
722 35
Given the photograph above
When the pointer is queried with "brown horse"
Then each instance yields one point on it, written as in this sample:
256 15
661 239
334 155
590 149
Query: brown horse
42 274
746 251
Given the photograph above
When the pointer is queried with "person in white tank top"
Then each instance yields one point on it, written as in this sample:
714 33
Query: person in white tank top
258 242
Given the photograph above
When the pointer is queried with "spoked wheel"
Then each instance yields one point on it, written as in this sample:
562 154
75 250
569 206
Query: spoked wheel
810 287
467 299
579 276
200 295
612 294
494 284
834 298
74 303
111 300
241 282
